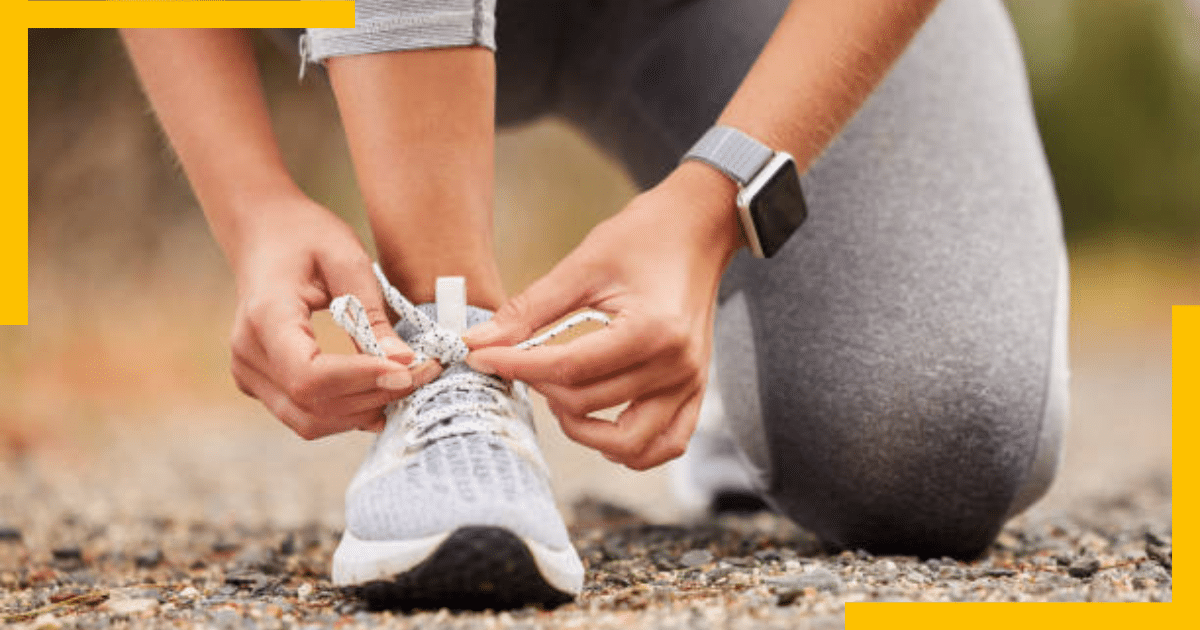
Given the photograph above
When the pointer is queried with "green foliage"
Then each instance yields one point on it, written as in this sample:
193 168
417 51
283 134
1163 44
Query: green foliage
1116 87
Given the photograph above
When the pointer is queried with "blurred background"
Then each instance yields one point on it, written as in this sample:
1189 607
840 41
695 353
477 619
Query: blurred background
130 300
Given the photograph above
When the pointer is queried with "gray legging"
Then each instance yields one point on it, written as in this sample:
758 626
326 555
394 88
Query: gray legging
898 372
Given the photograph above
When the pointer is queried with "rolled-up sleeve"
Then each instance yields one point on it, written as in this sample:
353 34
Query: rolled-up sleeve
386 25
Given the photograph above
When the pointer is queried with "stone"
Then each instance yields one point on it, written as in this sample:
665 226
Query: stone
1084 567
787 597
768 555
288 546
67 554
131 606
1159 554
10 534
149 559
244 580
696 558
816 578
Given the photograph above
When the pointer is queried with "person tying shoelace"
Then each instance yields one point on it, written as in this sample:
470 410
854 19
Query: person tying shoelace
842 289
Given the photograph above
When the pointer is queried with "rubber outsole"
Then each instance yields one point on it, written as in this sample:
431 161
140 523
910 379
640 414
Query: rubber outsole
737 502
475 568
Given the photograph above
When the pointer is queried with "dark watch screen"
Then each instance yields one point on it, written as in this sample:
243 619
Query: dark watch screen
778 209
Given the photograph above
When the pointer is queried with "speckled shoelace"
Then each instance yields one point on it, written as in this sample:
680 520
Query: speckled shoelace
423 420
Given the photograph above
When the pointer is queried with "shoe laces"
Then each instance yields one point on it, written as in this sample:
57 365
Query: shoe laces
459 402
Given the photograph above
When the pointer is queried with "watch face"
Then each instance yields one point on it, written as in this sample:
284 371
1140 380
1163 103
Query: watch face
778 208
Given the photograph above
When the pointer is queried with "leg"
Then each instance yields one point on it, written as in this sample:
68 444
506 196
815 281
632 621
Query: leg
898 371
452 505
423 155
415 85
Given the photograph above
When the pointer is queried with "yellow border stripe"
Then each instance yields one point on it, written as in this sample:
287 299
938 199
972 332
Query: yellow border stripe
1185 416
252 14
14 288
14 177
14 126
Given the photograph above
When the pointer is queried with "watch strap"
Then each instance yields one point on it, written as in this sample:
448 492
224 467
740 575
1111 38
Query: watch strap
732 152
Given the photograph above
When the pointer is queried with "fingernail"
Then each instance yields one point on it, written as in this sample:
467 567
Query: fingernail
479 366
482 333
423 373
392 346
397 380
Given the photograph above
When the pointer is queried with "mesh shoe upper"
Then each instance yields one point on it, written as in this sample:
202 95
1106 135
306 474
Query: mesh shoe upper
461 453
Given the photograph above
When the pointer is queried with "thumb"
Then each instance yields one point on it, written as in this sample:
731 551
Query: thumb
359 280
548 299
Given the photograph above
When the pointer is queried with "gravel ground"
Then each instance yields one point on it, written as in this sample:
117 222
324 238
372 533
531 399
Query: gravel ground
186 523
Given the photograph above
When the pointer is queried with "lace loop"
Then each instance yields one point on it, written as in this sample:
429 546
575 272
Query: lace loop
431 340
457 403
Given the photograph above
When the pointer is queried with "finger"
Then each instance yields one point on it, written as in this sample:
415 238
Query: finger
355 277
672 442
549 298
357 403
375 426
425 373
617 347
634 429
288 353
637 381
307 425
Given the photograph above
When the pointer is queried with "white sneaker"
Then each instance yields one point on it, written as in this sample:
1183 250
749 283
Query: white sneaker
453 506
713 476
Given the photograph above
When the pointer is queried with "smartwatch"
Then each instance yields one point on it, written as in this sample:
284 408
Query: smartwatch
769 201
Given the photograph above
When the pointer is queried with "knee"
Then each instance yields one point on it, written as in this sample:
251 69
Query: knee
931 472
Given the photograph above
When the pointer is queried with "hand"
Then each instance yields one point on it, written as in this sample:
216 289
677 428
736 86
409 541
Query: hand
297 257
655 268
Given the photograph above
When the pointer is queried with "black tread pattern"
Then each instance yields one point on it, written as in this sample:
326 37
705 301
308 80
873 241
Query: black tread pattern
737 502
475 568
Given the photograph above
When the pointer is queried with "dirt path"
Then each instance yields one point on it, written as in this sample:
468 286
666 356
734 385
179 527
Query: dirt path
193 523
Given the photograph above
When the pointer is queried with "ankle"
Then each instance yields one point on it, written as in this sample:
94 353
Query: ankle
484 287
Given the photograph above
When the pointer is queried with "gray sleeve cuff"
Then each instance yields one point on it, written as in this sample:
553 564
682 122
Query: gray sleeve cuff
387 25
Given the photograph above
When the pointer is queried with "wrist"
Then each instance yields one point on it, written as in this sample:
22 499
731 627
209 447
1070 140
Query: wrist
244 222
712 204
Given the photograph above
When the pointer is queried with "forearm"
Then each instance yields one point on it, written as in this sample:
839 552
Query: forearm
824 59
204 87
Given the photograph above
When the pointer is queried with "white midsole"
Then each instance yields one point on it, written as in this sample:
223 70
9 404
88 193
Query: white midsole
357 561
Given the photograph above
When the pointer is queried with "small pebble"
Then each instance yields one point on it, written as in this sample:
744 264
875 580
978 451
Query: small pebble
817 578
1084 567
245 580
288 546
223 546
304 590
131 606
696 558
67 554
1161 555
149 559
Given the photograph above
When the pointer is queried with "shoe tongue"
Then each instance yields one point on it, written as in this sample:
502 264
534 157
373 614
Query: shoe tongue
475 316
452 304
450 311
